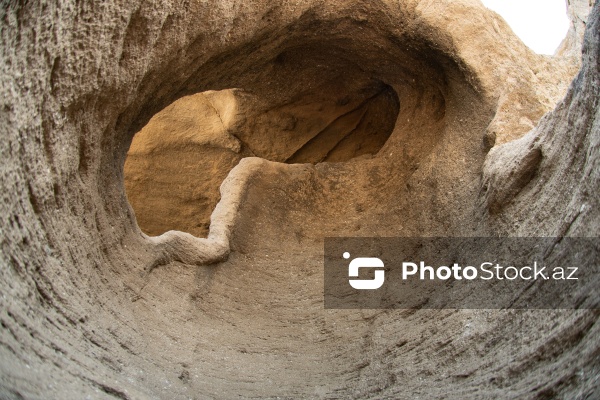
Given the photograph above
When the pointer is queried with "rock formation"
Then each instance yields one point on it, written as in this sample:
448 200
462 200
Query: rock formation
578 11
177 162
432 120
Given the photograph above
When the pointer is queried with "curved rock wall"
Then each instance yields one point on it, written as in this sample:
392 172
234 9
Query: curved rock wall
93 308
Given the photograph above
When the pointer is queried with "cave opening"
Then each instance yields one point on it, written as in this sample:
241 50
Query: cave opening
178 160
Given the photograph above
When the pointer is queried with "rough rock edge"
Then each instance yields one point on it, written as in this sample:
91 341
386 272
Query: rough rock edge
578 12
186 248
510 167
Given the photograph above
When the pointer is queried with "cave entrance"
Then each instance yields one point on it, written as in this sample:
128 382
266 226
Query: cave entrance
177 162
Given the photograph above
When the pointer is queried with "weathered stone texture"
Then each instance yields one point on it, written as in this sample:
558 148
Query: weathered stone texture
485 142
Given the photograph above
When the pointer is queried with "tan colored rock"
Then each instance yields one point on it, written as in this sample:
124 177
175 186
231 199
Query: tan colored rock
90 307
176 164
578 11
322 113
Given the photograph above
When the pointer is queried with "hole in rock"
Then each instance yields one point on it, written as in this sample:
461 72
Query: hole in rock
177 162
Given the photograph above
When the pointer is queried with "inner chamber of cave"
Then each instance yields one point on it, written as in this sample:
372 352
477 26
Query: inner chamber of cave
177 162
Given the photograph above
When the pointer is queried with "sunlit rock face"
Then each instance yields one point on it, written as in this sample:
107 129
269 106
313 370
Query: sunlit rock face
177 162
285 123
578 11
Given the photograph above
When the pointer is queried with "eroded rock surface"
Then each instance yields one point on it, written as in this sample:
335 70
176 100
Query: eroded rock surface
176 163
578 11
91 307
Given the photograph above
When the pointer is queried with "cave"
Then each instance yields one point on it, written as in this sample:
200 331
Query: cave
177 162
172 169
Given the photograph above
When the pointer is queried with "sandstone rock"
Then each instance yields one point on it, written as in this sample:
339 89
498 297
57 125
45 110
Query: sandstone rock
322 115
176 164
578 11
92 307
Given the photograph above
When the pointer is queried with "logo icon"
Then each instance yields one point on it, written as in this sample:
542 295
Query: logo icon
365 262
